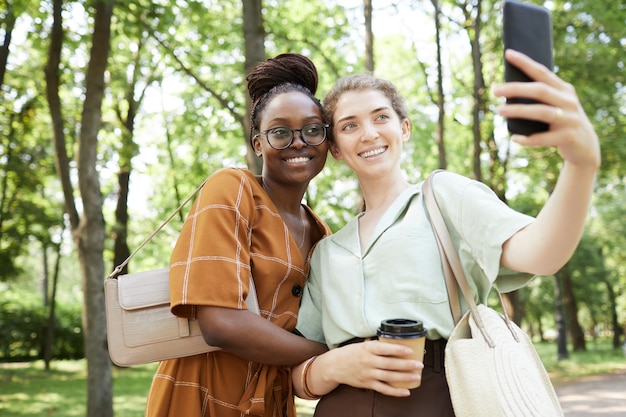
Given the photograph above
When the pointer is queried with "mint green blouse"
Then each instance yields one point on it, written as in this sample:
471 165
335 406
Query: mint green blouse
399 274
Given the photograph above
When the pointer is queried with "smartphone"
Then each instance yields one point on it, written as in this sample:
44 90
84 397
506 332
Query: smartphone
527 28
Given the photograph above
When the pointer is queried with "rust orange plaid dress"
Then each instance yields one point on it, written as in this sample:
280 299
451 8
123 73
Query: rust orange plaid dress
232 230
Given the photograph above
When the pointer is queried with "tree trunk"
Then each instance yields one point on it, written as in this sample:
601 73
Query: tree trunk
571 310
617 329
50 328
61 158
90 233
540 329
369 36
439 133
615 325
9 24
561 328
254 43
121 250
477 91
56 113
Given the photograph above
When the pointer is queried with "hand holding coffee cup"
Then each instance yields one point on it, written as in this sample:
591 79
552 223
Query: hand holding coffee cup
406 332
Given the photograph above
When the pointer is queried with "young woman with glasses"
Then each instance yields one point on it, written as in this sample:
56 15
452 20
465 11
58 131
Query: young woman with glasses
242 225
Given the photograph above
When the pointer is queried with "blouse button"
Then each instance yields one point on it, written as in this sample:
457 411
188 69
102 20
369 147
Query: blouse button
297 290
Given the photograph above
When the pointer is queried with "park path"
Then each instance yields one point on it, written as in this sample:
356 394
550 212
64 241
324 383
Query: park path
597 396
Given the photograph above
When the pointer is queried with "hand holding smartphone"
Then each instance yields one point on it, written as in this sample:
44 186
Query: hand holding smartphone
528 29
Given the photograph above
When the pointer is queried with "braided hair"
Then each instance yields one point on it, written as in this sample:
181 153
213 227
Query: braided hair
282 74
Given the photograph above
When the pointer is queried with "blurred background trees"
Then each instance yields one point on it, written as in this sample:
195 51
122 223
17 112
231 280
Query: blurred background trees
112 113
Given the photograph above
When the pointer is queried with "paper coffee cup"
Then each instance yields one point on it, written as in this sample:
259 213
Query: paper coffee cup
406 332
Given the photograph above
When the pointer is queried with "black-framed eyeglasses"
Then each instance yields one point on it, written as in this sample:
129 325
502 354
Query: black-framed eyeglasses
313 134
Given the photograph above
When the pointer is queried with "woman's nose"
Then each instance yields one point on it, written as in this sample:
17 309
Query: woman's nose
298 141
369 132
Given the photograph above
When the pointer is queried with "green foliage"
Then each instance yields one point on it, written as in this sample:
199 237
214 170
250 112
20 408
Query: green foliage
539 311
29 209
26 169
607 230
590 278
24 321
182 64
589 44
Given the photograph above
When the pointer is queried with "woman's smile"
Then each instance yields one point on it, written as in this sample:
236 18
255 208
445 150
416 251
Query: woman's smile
373 152
298 159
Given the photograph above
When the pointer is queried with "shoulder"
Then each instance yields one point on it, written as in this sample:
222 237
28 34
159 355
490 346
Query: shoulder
451 181
464 201
230 187
231 175
451 187
230 180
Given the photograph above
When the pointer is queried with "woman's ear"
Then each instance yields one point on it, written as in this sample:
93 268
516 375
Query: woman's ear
334 151
406 130
256 145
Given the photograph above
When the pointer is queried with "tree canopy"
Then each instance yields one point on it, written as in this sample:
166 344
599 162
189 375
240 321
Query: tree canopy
173 110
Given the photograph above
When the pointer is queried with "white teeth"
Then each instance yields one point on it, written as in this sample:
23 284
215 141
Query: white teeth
373 152
298 159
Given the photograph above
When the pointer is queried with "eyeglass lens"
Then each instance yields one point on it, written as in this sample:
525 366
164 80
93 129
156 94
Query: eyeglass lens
281 137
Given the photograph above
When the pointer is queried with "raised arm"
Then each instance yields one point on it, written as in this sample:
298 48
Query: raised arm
546 245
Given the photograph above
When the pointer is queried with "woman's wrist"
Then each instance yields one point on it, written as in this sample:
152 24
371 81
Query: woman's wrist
320 374
304 379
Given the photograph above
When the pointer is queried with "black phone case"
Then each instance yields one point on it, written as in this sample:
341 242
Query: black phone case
528 29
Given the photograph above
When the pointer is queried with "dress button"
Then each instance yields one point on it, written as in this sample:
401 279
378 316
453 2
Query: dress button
297 290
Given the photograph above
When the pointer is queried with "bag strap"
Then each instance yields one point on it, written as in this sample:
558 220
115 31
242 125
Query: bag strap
438 223
451 263
118 269
252 300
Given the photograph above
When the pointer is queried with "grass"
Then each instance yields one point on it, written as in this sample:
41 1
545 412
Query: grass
599 358
27 390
